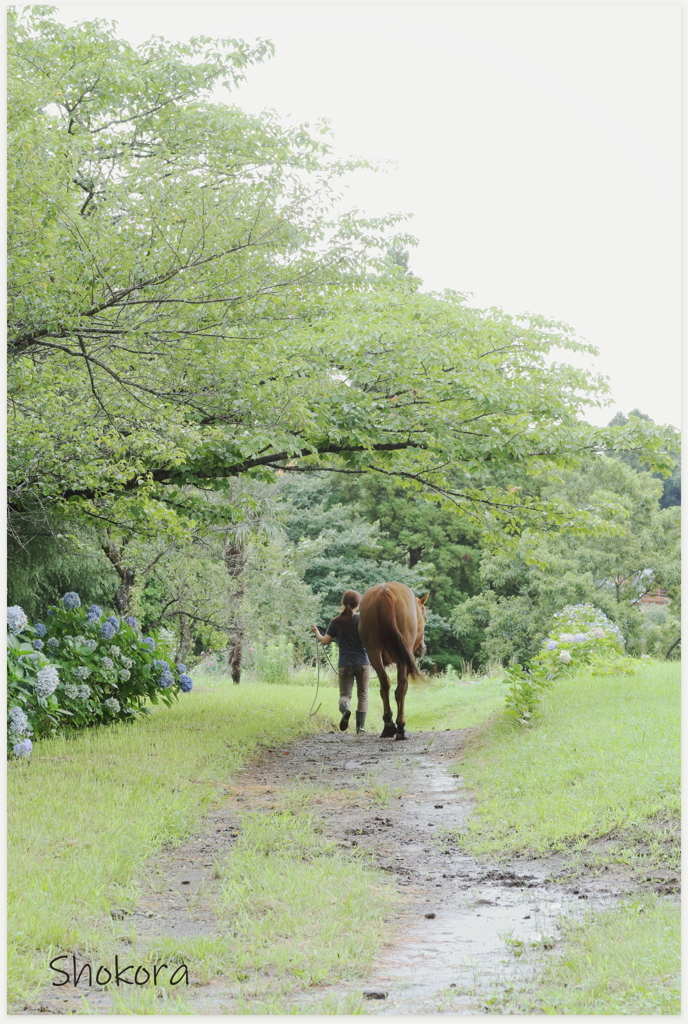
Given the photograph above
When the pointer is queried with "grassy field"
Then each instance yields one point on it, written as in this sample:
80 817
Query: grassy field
597 777
88 812
604 758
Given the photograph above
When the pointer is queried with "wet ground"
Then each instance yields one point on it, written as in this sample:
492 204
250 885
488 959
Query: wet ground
465 930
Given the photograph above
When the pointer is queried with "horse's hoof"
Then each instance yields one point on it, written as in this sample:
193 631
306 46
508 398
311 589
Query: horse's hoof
390 729
401 735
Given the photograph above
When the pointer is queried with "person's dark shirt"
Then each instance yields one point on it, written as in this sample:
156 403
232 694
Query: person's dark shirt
351 650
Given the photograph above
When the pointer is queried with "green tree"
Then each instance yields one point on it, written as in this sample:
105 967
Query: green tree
671 494
523 589
185 308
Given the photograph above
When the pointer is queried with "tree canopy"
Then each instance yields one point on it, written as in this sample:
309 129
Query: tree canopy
188 304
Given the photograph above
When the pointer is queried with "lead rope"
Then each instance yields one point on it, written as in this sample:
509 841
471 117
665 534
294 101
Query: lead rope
311 713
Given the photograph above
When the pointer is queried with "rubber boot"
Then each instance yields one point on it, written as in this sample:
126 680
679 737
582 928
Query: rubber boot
360 721
346 715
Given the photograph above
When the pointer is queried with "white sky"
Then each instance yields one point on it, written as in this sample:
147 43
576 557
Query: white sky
538 147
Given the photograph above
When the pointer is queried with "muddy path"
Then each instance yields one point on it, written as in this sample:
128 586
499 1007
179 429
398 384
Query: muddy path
460 925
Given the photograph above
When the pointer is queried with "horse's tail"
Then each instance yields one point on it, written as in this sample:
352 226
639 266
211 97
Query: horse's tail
391 637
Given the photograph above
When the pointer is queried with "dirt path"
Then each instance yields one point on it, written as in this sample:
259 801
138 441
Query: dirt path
460 922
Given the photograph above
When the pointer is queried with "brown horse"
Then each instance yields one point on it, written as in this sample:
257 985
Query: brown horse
391 630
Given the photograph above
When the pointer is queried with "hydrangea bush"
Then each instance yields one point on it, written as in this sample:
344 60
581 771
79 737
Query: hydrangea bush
81 668
581 637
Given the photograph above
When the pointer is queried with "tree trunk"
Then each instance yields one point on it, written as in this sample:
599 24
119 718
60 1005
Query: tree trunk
234 654
676 641
127 577
414 556
185 638
235 560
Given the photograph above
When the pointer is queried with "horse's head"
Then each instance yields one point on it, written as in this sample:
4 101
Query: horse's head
419 647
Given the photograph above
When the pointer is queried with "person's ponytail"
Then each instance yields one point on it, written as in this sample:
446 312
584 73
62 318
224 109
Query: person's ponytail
350 601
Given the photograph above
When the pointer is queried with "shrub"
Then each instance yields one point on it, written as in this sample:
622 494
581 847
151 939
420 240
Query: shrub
81 668
581 635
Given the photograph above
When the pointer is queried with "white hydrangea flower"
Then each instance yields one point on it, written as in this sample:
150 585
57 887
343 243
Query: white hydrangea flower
16 619
115 651
566 638
597 633
71 691
46 681
127 662
125 675
18 722
84 692
82 672
112 704
107 664
565 656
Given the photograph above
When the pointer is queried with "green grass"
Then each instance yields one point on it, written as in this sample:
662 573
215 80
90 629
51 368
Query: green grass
87 812
603 760
450 703
624 960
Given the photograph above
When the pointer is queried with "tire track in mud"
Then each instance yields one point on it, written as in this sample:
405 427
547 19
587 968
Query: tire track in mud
459 922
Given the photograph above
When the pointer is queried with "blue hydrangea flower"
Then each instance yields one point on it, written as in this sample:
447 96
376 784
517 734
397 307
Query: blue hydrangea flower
71 600
108 664
94 613
551 645
150 641
91 644
53 643
185 683
16 619
46 681
23 748
181 667
579 638
112 704
108 630
114 620
131 621
40 628
82 672
166 679
125 675
160 664
38 644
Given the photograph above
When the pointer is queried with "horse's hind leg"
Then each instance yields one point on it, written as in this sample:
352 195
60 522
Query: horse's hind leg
389 728
400 696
